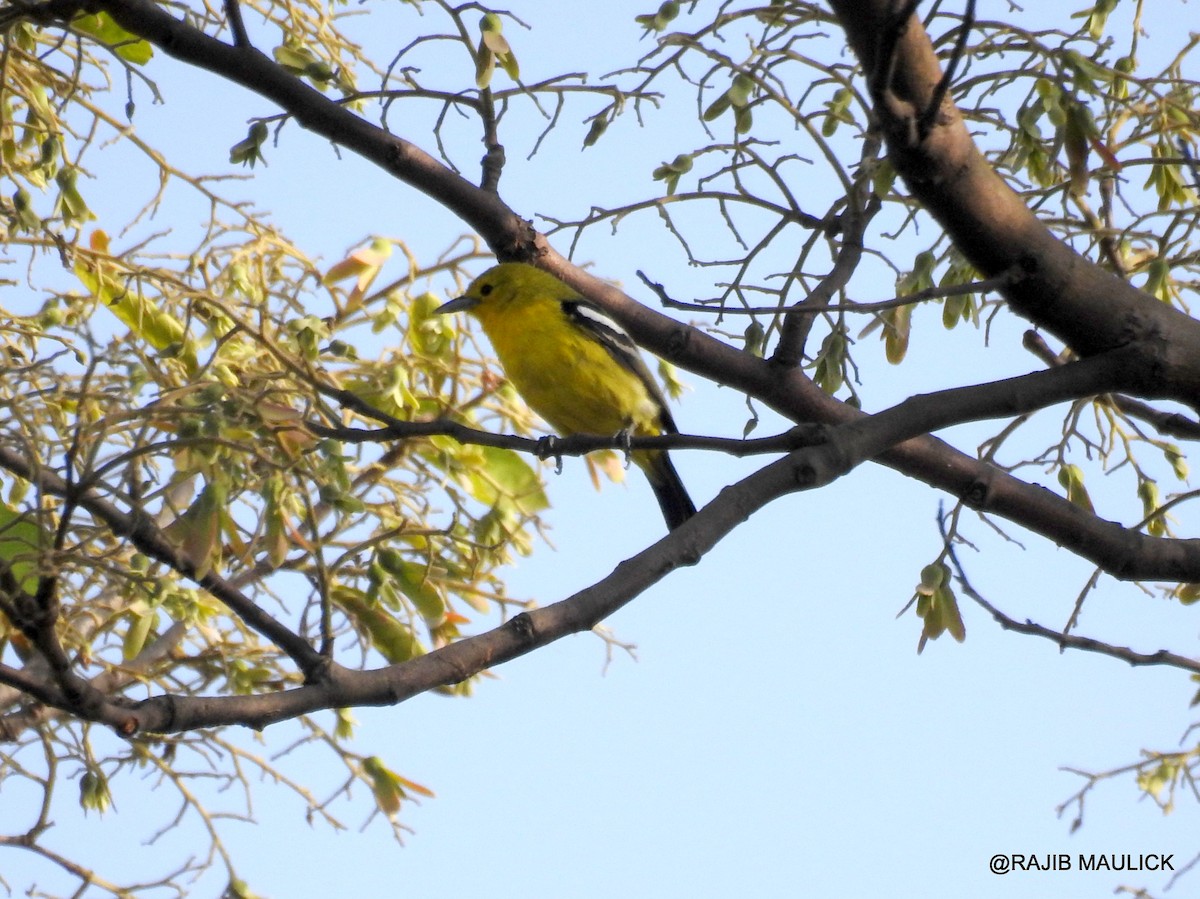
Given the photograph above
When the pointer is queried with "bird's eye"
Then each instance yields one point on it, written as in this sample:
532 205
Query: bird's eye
485 289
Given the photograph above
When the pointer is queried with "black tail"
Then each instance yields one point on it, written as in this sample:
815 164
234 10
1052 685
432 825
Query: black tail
677 507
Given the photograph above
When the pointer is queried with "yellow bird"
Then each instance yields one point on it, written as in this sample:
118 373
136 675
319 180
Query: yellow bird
575 367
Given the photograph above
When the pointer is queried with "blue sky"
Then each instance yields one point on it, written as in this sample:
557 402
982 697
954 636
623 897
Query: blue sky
777 734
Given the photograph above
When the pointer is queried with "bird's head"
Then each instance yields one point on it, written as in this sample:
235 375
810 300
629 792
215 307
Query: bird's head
506 285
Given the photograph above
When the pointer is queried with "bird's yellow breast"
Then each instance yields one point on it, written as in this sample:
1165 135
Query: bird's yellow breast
575 384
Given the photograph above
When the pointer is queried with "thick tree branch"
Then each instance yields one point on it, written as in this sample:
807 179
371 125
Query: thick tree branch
1169 424
946 172
507 234
1120 552
1086 306
526 632
827 455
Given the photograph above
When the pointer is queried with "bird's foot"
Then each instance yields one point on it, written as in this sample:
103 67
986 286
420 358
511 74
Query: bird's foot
547 448
624 439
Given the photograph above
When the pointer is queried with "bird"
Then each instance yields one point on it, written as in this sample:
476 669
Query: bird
575 367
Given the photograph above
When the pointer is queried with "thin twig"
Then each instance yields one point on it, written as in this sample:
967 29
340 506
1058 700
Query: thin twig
919 296
1170 424
929 115
233 12
1062 640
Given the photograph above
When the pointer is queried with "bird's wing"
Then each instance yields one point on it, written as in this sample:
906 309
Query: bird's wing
593 320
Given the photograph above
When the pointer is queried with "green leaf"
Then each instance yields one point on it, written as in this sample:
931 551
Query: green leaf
485 66
659 20
493 48
1158 280
837 113
1147 491
1098 17
1155 781
503 476
955 309
670 172
1177 461
197 531
142 617
124 299
26 220
248 150
883 178
1188 594
743 119
897 326
1071 477
125 44
1078 133
717 107
22 541
344 728
596 131
828 372
384 784
413 580
93 790
741 90
754 338
70 203
388 786
937 606
932 578
393 639
295 58
508 62
239 889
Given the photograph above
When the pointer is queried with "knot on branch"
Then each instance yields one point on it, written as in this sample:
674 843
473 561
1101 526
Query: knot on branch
805 474
678 341
319 671
977 492
523 628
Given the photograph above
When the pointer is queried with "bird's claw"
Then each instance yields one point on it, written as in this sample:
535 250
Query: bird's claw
547 447
624 439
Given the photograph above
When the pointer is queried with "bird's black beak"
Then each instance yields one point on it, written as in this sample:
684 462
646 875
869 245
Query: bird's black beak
458 304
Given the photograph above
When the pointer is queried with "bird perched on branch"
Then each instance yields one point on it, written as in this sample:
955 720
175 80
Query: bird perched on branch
575 367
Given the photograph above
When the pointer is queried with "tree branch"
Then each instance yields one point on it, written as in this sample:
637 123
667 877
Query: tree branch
946 172
508 235
151 541
1086 306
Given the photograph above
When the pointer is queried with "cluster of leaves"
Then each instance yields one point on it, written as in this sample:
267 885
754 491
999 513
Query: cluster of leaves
196 388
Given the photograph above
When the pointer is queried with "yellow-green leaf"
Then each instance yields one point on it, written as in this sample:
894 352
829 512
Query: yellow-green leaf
248 150
142 617
93 790
125 44
124 299
937 606
413 580
505 475
1177 461
1071 477
393 639
1187 594
21 544
493 48
897 324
